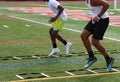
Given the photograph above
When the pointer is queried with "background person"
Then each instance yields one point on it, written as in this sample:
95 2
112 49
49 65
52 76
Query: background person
57 22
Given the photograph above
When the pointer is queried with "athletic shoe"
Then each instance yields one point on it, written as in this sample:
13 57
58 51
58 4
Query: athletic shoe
53 52
54 56
90 62
110 64
69 55
68 46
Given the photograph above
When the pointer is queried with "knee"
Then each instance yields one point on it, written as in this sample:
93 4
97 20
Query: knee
82 36
95 42
85 35
51 31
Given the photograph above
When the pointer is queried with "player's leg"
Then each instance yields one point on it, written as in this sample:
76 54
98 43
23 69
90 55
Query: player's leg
86 33
67 44
58 25
97 36
102 50
55 50
85 38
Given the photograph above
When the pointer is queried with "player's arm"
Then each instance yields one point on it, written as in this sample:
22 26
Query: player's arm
103 3
60 10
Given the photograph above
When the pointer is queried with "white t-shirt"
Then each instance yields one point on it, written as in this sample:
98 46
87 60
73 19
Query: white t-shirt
53 5
96 10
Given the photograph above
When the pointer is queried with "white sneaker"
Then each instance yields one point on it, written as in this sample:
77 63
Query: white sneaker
68 46
54 51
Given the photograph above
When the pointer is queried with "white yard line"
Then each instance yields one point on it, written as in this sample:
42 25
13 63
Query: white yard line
69 73
64 28
92 71
115 70
17 58
30 20
64 77
27 25
5 26
20 77
36 57
45 75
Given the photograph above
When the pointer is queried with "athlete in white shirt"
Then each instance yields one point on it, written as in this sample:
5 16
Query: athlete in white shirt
57 21
53 5
96 27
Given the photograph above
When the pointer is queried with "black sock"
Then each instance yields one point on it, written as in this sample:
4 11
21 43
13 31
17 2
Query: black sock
54 45
107 58
91 54
64 42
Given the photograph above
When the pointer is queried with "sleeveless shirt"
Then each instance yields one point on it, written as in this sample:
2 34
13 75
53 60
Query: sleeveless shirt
96 10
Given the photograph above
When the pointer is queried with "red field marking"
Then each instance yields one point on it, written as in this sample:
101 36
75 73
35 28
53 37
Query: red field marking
41 2
24 41
33 41
74 14
36 41
22 2
4 17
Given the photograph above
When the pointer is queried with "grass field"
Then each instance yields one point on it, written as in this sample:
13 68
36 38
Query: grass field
25 45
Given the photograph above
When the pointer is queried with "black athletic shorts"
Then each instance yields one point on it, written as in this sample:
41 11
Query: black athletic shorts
98 29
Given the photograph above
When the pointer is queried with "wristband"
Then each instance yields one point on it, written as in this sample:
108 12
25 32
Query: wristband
98 17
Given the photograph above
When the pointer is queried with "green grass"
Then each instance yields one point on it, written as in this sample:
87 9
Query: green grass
24 42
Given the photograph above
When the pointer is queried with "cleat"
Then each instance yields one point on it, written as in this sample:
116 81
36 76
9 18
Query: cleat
90 62
68 46
109 65
53 52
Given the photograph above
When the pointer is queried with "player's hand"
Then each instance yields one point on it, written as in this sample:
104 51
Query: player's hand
53 19
95 19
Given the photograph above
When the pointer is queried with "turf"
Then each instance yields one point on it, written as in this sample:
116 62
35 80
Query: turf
26 38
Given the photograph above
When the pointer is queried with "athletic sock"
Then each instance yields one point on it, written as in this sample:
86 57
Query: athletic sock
64 42
54 45
91 54
107 58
